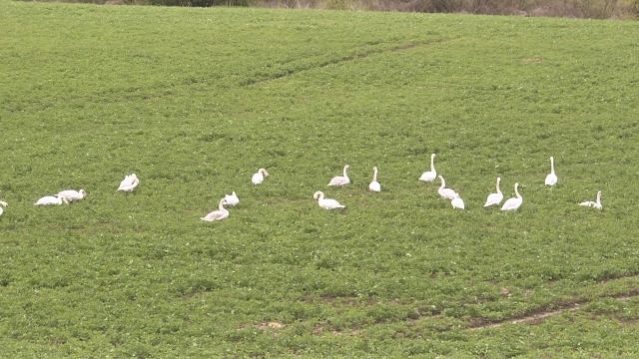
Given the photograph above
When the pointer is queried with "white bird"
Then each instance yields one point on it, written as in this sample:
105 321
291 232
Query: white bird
494 198
326 203
218 214
231 199
596 204
341 181
457 202
374 185
51 200
72 195
446 193
3 204
551 179
258 177
429 176
129 183
513 203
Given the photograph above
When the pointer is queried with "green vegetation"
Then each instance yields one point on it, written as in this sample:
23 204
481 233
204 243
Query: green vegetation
194 101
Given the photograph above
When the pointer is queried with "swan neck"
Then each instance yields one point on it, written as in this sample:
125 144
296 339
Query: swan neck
517 192
432 163
374 174
345 168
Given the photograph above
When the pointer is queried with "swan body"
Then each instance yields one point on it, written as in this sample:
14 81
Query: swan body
551 179
429 176
72 195
129 183
231 199
258 177
374 186
513 203
2 205
457 202
596 204
495 198
217 215
341 181
446 193
326 203
51 200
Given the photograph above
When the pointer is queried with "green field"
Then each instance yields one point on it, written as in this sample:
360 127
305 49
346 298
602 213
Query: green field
194 101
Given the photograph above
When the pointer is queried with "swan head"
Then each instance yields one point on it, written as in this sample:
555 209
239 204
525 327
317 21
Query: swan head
498 179
4 204
83 193
432 156
375 168
318 194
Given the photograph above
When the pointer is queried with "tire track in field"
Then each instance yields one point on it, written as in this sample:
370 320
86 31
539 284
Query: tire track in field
538 316
335 61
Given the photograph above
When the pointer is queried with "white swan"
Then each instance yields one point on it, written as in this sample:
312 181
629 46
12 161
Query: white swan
72 195
494 198
446 193
129 183
341 181
51 200
326 203
3 204
374 185
258 177
551 179
513 203
596 204
231 199
457 202
218 214
429 176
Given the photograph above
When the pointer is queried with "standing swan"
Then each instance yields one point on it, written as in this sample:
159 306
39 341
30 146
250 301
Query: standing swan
513 203
446 193
429 176
3 204
326 203
375 186
341 181
551 179
457 202
258 177
217 215
593 204
494 198
232 199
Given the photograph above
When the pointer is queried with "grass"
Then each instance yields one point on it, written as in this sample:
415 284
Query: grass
196 100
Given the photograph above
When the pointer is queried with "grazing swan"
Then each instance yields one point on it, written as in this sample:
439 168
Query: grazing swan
375 186
429 176
129 183
513 203
446 193
341 181
326 203
457 202
72 195
217 215
3 204
51 200
494 198
593 204
258 177
551 179
231 199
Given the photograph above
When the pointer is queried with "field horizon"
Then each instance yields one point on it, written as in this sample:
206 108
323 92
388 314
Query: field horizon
195 100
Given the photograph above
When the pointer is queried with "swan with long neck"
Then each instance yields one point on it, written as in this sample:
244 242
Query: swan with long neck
72 195
596 204
513 203
51 200
341 181
218 214
232 199
326 203
429 176
258 177
374 186
551 178
445 193
495 198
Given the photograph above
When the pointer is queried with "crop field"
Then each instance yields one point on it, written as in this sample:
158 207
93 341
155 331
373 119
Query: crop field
194 101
